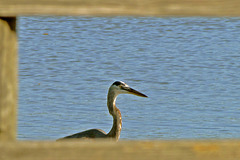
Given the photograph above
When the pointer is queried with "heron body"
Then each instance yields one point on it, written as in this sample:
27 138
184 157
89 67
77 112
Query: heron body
115 89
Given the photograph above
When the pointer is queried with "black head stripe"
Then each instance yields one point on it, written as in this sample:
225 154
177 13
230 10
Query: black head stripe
117 83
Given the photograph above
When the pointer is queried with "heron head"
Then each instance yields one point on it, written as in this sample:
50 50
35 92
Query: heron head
122 88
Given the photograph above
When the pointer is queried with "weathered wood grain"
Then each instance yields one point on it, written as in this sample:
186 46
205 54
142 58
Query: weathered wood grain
164 150
123 7
105 150
8 78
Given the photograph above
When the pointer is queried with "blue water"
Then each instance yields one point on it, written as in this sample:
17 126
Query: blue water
189 68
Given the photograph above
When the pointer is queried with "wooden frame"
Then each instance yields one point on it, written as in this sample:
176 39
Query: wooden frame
8 78
128 150
10 9
123 7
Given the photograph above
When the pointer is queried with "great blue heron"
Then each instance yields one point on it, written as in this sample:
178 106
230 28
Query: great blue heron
115 89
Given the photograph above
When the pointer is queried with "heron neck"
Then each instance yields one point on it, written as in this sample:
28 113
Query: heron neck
116 114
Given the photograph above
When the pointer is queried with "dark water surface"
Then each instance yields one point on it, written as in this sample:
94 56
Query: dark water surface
189 68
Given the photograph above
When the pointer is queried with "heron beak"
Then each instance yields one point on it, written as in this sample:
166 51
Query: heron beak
134 92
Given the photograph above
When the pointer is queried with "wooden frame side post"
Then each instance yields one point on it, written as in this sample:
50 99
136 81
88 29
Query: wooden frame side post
8 78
